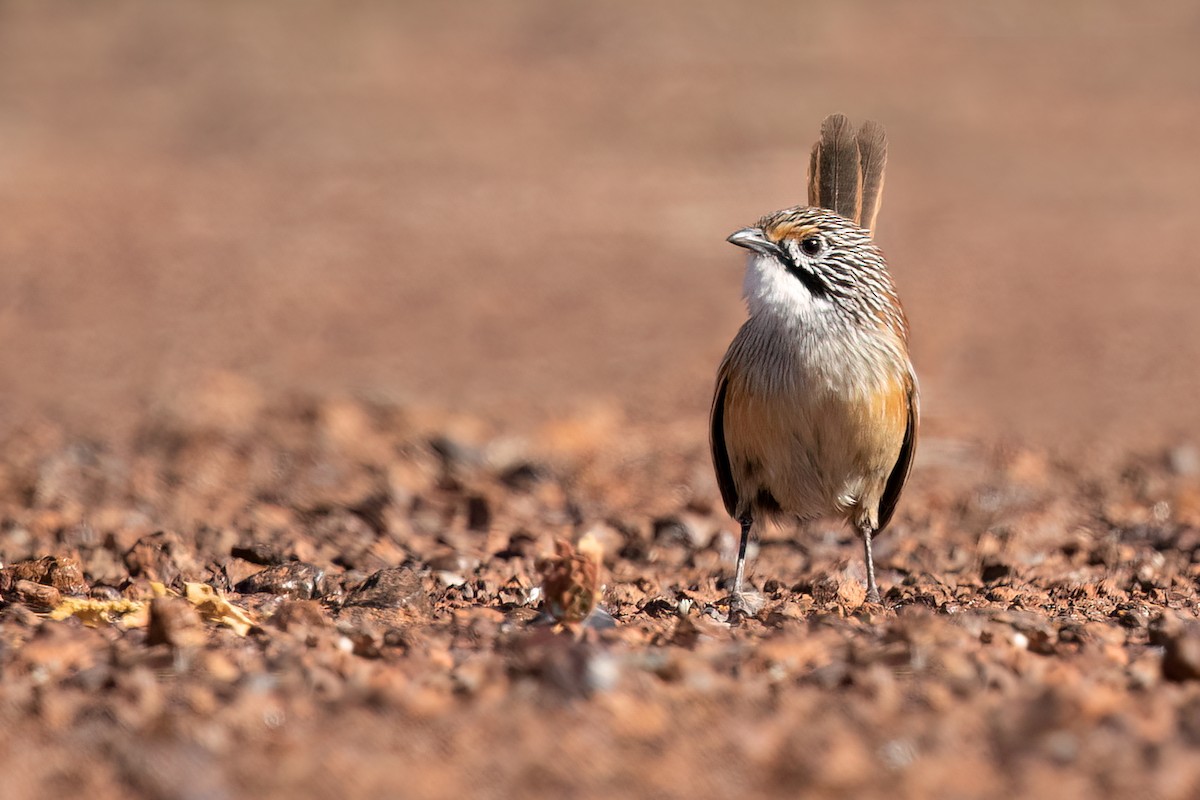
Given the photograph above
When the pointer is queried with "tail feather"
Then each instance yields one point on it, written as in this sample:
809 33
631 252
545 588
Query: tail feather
836 179
845 171
872 154
814 176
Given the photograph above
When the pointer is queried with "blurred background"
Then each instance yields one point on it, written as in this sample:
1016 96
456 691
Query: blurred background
519 209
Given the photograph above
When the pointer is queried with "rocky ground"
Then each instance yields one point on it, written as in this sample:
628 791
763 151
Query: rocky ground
341 341
339 599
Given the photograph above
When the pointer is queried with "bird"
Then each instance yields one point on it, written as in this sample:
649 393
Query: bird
816 404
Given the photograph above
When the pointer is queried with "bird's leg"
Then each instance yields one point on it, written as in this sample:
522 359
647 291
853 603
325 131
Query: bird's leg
872 587
743 603
741 558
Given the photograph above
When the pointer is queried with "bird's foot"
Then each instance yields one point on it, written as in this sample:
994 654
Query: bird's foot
744 604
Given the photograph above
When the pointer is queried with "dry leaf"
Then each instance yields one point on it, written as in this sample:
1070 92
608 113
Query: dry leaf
571 580
215 608
95 613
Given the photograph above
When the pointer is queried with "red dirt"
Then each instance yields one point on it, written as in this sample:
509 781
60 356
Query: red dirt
500 231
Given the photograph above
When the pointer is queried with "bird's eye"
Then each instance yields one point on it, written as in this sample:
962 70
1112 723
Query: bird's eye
811 245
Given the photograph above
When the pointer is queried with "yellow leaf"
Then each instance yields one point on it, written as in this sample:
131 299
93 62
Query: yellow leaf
215 608
94 613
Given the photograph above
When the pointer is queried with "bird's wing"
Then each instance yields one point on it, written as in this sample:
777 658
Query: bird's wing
720 451
899 474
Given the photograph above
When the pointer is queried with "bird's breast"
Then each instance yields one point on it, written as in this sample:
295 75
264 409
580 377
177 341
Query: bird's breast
812 418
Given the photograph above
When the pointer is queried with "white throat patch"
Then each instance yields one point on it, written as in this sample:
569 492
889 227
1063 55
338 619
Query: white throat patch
770 289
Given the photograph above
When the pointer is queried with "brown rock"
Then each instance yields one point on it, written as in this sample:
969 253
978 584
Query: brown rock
1181 658
453 561
844 590
37 595
237 570
173 621
155 557
64 574
300 615
394 587
295 579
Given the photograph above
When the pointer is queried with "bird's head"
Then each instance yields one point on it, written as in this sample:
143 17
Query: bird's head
812 261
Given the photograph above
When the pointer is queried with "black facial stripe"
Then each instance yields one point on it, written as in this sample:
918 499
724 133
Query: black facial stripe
810 281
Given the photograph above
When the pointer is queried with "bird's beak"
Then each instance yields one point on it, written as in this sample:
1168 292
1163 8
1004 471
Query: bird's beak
754 239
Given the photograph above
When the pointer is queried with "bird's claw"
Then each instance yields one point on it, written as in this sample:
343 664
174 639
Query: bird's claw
744 604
